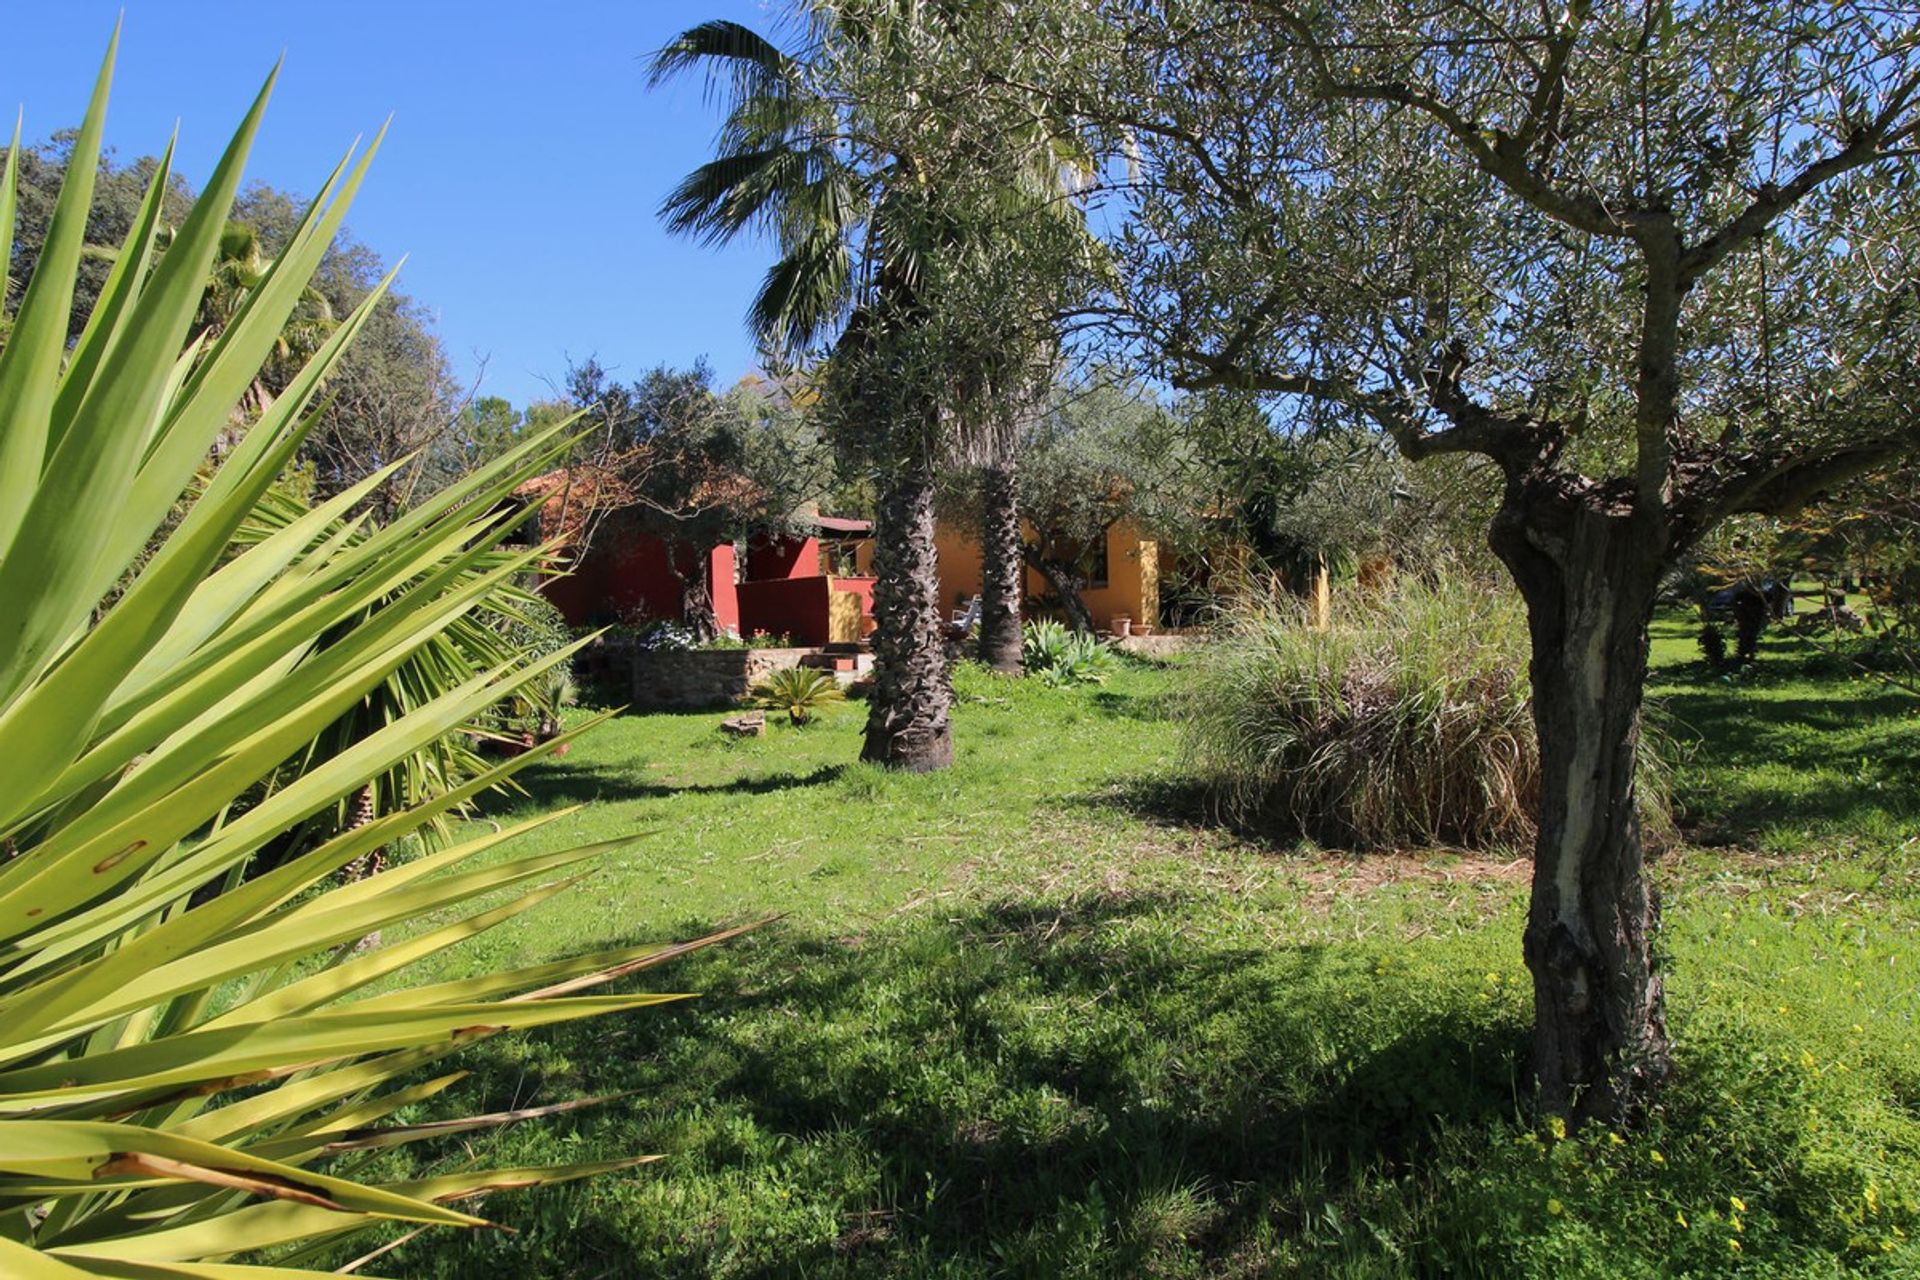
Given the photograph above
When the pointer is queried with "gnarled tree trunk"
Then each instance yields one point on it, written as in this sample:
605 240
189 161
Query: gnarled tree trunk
907 724
1066 581
1588 567
692 569
1001 567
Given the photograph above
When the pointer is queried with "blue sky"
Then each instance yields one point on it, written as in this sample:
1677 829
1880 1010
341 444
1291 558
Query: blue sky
520 178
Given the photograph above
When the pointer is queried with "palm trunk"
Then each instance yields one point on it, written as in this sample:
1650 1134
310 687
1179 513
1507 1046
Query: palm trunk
907 725
1001 568
1589 576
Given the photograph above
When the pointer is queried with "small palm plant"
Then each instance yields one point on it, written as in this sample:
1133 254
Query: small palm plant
798 691
182 1080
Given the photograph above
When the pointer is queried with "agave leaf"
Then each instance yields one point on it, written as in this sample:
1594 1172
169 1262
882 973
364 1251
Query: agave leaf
229 1057
263 1226
30 1264
30 362
55 565
78 1154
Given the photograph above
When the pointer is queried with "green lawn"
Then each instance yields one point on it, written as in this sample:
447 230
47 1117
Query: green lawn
1035 1017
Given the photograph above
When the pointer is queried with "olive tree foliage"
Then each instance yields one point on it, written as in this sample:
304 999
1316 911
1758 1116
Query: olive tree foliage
1654 262
118 190
675 460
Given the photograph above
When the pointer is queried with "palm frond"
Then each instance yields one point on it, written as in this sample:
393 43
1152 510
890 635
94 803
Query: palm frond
804 293
738 59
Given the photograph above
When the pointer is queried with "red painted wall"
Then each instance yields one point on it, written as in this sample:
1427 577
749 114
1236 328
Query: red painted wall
782 558
626 576
797 607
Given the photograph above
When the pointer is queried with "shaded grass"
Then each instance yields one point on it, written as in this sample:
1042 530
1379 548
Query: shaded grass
1020 1023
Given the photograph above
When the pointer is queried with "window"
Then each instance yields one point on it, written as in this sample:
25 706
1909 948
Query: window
1095 560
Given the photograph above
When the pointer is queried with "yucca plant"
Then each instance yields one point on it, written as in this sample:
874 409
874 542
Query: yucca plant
478 640
798 691
179 1077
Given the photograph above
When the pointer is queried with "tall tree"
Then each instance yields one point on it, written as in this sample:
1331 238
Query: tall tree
395 394
1654 262
873 193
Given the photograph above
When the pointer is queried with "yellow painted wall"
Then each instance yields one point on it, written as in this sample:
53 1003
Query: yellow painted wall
1133 575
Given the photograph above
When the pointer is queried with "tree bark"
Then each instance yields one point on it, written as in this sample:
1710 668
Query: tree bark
692 569
907 720
1066 582
1001 568
1588 566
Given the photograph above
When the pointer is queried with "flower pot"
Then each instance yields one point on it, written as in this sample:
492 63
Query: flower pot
1122 626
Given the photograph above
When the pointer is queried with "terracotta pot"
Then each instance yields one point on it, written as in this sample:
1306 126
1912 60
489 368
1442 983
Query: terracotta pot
1122 626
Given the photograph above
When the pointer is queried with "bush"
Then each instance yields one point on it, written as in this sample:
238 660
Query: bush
1713 645
533 626
1062 657
1407 722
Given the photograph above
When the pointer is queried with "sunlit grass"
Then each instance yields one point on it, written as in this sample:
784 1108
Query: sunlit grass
1034 1017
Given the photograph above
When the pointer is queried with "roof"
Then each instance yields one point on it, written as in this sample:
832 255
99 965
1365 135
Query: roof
571 496
841 524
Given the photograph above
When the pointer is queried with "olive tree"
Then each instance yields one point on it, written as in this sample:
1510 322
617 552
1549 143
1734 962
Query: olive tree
1655 262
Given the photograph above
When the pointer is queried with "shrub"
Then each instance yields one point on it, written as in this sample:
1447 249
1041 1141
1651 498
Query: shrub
1713 645
1407 722
798 691
1063 657
532 625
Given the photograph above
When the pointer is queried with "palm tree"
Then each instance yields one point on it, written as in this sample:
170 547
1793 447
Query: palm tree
863 209
793 160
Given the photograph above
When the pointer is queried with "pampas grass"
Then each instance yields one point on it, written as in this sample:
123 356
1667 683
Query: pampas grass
1407 722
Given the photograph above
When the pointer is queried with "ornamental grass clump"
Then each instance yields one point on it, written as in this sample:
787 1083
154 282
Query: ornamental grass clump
1407 721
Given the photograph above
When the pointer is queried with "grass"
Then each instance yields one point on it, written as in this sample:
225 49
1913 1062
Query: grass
1032 1017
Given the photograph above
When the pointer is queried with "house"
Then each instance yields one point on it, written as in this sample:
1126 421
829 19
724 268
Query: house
813 584
1123 574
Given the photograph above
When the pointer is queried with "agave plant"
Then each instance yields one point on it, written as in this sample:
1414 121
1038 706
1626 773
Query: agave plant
179 1079
798 691
1062 657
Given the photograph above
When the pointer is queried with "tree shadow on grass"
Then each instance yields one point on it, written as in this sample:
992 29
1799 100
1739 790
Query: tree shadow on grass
1026 1088
1185 803
1728 786
550 784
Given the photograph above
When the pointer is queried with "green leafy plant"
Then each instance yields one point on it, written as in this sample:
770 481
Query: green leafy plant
1059 656
798 691
179 1080
1713 645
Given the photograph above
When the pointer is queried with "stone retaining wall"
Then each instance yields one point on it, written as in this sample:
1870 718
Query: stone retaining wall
702 677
